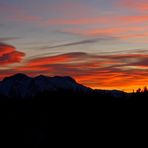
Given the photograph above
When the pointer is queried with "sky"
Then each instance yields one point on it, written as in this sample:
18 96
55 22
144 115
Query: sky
100 43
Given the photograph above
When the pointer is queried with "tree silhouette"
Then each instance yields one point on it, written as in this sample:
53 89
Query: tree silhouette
145 90
138 90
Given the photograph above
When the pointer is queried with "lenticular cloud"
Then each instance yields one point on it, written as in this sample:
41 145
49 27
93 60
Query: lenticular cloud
9 54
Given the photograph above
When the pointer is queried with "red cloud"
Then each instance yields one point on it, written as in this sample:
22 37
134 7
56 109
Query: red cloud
141 5
113 20
120 71
122 33
106 31
52 60
9 55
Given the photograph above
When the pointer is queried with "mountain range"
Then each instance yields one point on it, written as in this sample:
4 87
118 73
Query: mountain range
22 86
31 107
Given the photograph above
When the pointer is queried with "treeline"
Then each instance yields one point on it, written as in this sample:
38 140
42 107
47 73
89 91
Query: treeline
46 97
140 96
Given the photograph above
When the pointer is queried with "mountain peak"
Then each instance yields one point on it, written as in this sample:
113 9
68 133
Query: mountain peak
17 76
21 85
20 75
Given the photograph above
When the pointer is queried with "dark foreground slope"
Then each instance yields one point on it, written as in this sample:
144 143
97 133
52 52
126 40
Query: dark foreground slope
36 111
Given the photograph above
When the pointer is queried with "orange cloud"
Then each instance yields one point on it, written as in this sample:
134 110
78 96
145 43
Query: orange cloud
123 33
141 5
9 55
134 19
113 20
106 31
54 59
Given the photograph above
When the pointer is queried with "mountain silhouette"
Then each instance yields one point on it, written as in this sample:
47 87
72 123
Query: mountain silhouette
23 86
34 109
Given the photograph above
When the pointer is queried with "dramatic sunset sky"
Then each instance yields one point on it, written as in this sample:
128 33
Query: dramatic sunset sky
101 43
